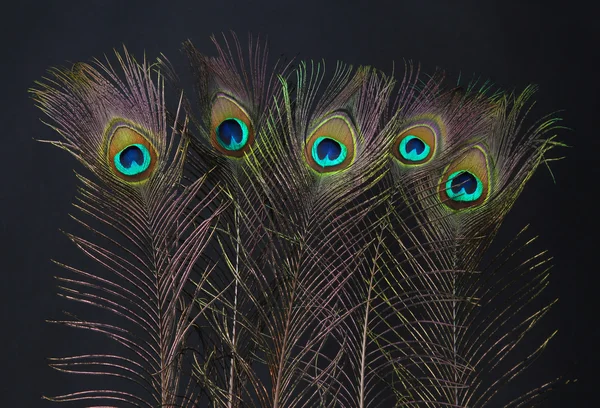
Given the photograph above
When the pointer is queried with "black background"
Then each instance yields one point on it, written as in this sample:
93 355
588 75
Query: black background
512 43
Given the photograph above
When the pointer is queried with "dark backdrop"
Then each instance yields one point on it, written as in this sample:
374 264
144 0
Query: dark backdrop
513 43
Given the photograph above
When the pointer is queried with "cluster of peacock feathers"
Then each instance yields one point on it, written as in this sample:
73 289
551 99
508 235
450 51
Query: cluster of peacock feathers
283 237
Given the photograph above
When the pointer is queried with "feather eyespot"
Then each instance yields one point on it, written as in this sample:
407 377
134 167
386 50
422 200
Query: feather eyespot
416 145
131 155
331 145
465 182
464 186
133 160
327 152
232 134
232 131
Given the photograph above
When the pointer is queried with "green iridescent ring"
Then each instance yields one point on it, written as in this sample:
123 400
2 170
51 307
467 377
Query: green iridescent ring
326 161
127 161
227 129
462 194
413 155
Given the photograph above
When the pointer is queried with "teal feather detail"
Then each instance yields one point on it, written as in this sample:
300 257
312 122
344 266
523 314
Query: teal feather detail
332 157
130 166
413 154
462 179
232 144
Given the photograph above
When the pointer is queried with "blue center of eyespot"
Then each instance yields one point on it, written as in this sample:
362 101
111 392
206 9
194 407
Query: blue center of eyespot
232 134
133 160
464 186
328 152
413 148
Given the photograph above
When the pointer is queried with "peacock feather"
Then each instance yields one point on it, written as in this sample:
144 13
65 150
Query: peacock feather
313 238
118 130
469 312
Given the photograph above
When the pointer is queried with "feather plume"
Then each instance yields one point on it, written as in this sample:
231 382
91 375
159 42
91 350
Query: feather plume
311 241
235 95
117 129
469 313
312 192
